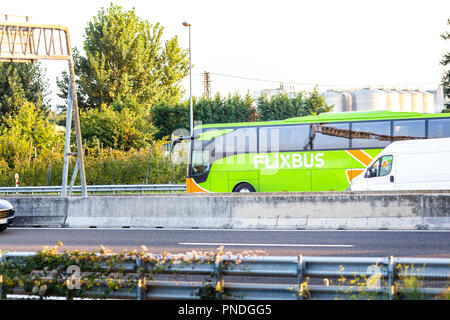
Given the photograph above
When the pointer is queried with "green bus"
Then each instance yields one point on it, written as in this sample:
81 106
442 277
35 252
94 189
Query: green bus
311 153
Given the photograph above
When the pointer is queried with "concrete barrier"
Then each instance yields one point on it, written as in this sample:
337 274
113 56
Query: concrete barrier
39 211
324 210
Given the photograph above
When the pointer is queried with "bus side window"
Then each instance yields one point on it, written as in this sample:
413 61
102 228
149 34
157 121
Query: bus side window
284 138
371 134
241 140
331 136
246 140
409 129
439 128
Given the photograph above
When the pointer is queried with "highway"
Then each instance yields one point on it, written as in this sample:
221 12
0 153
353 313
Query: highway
420 243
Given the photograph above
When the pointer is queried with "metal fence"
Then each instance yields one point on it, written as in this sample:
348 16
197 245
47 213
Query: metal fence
97 188
274 277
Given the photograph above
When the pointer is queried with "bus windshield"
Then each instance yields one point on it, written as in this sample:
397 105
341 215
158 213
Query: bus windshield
200 161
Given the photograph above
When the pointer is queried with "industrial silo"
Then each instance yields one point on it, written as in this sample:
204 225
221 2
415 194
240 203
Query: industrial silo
428 102
417 101
405 101
438 96
370 99
393 100
335 98
348 98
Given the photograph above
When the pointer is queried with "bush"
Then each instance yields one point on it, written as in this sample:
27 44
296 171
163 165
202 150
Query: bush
102 167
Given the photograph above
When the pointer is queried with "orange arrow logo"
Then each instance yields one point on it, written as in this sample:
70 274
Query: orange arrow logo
362 158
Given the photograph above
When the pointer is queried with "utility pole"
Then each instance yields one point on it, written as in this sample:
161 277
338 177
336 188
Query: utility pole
207 84
191 111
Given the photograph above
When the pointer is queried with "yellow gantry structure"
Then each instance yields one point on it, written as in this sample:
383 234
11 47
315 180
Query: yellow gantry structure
28 42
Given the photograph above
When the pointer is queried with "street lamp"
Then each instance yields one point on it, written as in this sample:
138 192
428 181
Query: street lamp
191 111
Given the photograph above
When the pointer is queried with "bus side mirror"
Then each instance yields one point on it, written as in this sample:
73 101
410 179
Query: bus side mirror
177 141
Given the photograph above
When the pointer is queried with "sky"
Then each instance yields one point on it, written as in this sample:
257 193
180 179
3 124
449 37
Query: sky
250 45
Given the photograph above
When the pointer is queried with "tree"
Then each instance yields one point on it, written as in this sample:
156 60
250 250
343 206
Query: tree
167 117
279 107
282 106
315 103
20 82
126 63
25 131
121 130
446 77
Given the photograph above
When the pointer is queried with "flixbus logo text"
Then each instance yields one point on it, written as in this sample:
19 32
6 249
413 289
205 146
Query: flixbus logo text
287 161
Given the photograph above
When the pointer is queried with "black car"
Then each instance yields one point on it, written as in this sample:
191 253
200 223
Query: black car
6 214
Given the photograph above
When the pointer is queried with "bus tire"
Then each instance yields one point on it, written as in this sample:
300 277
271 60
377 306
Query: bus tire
244 187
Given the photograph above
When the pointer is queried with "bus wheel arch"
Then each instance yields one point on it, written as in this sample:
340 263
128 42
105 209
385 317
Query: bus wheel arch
244 187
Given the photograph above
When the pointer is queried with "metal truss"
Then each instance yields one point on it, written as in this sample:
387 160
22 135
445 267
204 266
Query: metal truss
27 42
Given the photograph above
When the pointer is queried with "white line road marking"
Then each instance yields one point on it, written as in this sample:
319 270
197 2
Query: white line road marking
223 230
264 244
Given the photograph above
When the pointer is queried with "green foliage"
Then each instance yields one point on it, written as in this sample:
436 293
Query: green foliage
315 104
20 82
118 129
279 107
127 63
27 133
282 106
105 274
167 117
45 274
102 165
234 108
446 76
108 166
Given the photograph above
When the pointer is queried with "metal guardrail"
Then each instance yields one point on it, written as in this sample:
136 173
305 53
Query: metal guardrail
97 188
286 278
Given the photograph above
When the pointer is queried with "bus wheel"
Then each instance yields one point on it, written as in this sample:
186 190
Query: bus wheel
244 187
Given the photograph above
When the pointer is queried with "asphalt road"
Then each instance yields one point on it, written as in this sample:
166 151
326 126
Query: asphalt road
277 243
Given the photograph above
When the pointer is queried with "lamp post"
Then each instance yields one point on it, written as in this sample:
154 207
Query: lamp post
191 111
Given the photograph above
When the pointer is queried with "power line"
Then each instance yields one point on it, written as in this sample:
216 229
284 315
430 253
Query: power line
321 84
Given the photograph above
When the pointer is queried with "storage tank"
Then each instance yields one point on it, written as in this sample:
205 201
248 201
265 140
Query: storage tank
405 101
417 101
438 96
348 101
370 99
428 102
393 100
335 98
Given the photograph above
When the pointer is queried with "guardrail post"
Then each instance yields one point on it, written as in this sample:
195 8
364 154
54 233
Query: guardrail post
141 285
218 276
392 281
300 274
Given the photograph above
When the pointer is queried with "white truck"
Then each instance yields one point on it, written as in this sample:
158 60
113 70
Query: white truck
408 165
